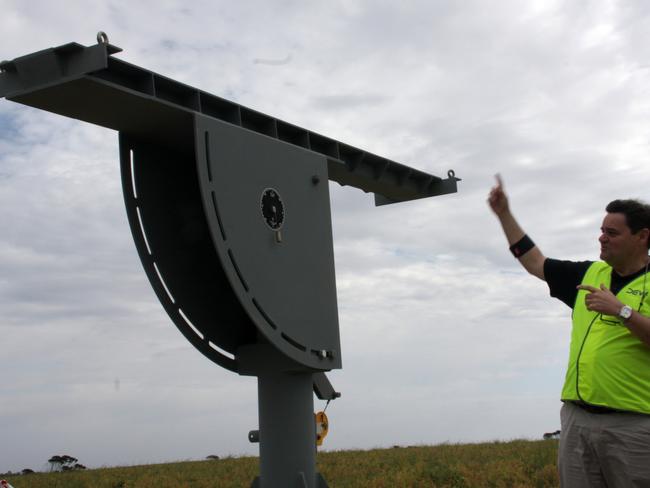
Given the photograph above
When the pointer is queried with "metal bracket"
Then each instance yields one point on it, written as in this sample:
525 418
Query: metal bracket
323 388
254 436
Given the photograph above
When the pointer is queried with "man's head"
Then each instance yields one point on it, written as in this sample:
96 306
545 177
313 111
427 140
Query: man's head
625 234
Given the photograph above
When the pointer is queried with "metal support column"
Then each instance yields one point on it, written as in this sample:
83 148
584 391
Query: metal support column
287 432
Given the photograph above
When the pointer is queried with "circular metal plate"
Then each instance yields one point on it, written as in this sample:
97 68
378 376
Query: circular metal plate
272 208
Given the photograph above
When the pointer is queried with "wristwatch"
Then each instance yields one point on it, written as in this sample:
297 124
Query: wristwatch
625 312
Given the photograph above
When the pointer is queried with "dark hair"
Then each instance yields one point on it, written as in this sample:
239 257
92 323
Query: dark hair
637 214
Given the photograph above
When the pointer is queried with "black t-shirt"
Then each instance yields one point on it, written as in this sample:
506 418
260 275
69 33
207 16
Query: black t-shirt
564 276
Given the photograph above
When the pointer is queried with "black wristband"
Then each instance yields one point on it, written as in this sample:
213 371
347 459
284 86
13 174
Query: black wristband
522 246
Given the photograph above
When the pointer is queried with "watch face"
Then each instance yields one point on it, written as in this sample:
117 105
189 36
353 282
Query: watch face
272 208
625 313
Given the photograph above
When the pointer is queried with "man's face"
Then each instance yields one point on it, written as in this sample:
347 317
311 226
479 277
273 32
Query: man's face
617 243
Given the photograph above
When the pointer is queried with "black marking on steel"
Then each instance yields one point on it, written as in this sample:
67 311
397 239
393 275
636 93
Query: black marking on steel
264 314
237 270
215 205
272 208
293 342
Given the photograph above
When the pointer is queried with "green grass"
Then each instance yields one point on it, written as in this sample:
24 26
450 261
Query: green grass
496 464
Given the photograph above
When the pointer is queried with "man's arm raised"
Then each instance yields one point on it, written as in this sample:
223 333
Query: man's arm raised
531 259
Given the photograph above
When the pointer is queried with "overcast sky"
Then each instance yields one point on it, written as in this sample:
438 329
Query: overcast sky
444 338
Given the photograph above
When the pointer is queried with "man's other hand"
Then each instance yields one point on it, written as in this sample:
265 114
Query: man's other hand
601 300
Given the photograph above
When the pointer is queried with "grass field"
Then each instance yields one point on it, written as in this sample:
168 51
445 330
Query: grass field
514 464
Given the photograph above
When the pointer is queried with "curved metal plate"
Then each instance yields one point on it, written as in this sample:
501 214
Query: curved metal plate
283 279
169 229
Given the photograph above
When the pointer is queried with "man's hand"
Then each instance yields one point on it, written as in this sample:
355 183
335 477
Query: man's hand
601 300
497 198
533 260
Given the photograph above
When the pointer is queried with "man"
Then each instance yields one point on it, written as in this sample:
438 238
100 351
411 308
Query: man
605 418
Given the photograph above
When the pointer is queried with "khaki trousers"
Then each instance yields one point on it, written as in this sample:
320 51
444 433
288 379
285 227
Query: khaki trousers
603 450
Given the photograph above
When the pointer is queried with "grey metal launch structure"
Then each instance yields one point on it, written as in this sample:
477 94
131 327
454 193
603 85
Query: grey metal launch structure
230 213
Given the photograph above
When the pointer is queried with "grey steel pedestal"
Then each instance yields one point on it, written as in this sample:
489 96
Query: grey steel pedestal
287 432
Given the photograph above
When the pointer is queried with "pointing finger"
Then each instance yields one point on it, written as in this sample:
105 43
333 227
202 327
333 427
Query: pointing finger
588 288
499 180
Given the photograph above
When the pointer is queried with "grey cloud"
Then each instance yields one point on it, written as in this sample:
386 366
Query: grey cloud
347 101
273 62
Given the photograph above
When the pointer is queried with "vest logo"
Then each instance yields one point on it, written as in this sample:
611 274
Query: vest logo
636 293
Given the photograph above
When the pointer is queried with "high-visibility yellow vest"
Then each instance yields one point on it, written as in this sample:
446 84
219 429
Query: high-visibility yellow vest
608 365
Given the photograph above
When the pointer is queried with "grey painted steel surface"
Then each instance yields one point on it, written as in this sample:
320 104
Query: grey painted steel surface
213 262
229 211
287 288
287 419
131 99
